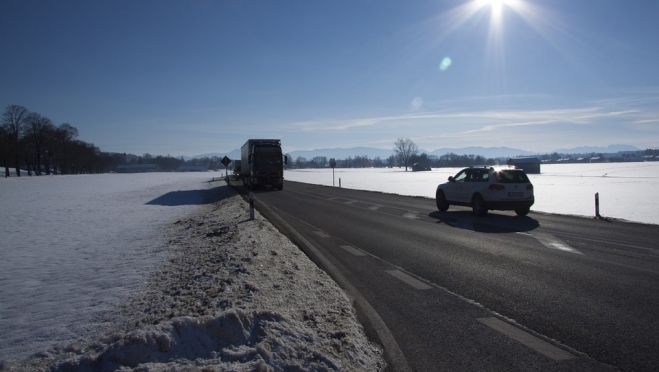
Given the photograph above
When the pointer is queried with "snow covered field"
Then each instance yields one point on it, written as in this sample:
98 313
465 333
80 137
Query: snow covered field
161 270
76 250
60 232
626 190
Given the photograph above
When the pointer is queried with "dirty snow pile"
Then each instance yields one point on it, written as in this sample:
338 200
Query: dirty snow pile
233 295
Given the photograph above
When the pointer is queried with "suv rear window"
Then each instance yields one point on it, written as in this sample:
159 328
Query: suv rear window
511 176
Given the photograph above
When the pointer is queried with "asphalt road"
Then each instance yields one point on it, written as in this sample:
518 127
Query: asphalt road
451 291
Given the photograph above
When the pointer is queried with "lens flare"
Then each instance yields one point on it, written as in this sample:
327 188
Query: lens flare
445 64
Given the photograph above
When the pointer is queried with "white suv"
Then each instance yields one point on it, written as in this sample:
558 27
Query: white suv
486 188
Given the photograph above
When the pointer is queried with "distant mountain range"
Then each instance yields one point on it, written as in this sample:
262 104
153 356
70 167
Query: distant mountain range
487 152
611 149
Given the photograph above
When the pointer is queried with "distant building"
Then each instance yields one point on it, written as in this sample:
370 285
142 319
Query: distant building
136 168
418 167
528 165
192 168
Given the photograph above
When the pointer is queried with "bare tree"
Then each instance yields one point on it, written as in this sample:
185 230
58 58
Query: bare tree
13 121
37 129
405 149
4 149
58 150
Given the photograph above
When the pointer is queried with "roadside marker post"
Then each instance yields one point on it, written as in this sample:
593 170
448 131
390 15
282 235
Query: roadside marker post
251 205
333 165
597 205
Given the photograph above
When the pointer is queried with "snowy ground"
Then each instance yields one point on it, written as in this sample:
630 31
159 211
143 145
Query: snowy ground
626 190
147 269
161 271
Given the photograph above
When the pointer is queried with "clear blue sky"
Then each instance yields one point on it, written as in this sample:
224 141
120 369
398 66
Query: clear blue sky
201 76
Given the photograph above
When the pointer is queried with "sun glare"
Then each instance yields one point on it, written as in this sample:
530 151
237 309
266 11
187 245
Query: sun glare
501 18
497 7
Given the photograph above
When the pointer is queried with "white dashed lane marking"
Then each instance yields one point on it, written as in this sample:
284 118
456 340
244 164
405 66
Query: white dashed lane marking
321 234
535 343
553 242
353 250
408 279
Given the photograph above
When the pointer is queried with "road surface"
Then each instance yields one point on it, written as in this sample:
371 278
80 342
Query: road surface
451 291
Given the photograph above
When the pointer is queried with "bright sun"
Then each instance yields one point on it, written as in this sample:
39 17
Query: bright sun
535 16
497 6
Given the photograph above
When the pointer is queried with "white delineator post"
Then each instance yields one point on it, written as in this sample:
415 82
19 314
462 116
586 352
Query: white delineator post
597 205
251 205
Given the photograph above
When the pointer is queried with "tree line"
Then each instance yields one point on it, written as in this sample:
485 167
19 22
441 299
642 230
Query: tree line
364 161
404 154
169 163
32 142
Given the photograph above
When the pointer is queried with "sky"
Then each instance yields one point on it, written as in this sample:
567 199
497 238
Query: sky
184 78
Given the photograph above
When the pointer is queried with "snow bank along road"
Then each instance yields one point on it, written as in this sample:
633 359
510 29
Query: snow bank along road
231 294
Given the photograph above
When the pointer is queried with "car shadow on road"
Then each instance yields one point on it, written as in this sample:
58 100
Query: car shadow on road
493 223
193 197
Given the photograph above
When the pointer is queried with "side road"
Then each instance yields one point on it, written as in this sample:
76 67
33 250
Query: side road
233 294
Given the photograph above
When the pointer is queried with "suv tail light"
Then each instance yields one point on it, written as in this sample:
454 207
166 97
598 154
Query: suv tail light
496 187
529 187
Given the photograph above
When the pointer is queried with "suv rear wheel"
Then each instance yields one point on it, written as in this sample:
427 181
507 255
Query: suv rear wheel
523 211
478 205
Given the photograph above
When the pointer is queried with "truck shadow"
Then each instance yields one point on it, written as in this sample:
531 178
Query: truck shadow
193 197
493 223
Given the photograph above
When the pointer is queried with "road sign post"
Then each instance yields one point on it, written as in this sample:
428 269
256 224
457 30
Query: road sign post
226 161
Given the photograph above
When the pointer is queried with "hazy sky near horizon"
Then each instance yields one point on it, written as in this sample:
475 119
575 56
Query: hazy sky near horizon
202 76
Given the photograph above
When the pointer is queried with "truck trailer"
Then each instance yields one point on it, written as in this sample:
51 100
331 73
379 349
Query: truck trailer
262 164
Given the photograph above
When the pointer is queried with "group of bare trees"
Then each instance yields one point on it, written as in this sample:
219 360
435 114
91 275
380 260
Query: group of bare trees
29 140
358 161
405 154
